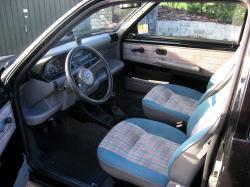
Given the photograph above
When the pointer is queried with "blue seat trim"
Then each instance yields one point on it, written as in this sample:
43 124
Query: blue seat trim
159 129
225 69
184 91
120 163
155 106
183 147
200 111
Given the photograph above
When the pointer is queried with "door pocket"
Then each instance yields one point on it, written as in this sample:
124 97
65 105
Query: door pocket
141 85
186 67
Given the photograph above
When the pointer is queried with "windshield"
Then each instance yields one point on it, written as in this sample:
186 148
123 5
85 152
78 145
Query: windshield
105 20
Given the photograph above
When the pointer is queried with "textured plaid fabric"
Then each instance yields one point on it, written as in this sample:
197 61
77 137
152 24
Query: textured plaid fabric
136 145
165 97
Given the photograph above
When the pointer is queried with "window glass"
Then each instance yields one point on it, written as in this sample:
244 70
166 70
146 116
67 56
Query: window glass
201 21
104 20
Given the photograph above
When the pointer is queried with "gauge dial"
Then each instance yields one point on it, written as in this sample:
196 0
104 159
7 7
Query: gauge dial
53 69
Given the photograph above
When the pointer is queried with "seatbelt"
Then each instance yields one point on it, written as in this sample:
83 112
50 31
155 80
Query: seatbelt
218 87
204 149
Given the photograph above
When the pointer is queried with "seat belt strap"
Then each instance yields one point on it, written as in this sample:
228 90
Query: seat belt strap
204 149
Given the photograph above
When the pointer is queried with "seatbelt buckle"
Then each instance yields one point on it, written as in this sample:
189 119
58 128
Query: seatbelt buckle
179 124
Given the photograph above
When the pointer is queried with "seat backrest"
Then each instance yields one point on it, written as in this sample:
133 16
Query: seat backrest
188 158
220 77
223 71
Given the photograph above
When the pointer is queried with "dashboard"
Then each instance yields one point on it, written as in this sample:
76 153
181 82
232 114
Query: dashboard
54 67
46 91
49 76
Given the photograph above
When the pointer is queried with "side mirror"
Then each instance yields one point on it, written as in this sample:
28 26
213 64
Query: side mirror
142 28
130 5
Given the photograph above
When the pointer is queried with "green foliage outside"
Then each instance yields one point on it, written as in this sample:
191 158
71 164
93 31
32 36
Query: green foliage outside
223 12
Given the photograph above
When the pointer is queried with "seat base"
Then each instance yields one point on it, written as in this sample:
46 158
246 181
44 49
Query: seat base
170 103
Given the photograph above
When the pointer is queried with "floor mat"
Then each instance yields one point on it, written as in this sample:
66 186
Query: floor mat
131 104
70 147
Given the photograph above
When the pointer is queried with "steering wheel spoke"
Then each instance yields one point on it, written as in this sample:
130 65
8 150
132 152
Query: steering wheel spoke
95 68
83 87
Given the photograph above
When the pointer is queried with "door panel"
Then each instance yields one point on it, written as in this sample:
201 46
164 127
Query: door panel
7 126
192 60
187 48
13 166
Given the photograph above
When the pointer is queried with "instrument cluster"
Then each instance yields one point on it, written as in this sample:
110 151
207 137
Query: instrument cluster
55 67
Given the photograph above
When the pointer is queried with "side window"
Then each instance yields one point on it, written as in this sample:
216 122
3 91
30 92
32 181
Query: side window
194 21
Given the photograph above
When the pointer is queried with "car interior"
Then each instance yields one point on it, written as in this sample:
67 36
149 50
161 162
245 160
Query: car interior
126 107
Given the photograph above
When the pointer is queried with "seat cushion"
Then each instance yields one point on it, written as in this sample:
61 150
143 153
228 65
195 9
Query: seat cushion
138 150
170 103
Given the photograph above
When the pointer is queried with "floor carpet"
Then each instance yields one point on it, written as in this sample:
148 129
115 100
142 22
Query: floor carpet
70 148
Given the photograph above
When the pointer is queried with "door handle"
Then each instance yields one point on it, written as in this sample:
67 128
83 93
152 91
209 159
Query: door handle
161 51
4 123
140 50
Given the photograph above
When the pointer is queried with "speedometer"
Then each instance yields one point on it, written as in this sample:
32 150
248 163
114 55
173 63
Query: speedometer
50 70
53 69
58 66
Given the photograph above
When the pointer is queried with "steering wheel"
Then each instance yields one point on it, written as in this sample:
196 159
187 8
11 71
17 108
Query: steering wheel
83 79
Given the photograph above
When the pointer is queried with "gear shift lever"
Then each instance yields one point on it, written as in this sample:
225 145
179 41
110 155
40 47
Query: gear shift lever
118 114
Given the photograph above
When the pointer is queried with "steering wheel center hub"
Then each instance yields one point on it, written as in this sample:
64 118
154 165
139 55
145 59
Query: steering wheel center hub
86 76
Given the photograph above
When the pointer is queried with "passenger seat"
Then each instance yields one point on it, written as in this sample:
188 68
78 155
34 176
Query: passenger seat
174 104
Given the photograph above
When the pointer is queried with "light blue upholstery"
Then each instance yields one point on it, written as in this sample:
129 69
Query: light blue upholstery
224 70
159 129
171 103
158 108
184 91
112 151
200 129
199 112
150 153
186 144
116 161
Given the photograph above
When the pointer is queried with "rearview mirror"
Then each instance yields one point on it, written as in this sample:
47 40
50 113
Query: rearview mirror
130 5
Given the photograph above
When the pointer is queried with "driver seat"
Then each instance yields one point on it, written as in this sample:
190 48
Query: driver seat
149 153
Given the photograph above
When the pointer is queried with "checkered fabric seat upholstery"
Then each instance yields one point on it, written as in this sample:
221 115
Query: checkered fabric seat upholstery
172 103
150 153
